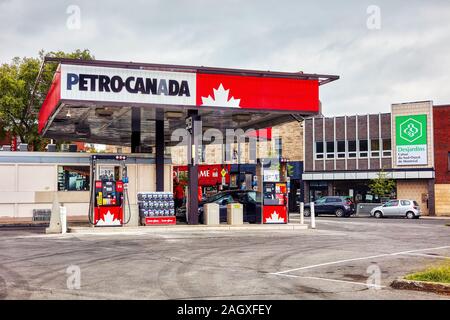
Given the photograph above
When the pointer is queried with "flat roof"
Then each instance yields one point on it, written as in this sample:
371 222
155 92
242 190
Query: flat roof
322 78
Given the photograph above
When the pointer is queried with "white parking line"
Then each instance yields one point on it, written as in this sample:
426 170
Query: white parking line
332 280
427 255
357 259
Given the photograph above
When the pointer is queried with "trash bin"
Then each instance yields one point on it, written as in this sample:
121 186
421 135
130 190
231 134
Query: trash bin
63 215
211 214
235 214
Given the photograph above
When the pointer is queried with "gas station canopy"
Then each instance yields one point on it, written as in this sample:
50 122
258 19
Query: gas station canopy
93 101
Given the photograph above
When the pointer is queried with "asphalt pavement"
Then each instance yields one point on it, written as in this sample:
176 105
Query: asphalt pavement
344 258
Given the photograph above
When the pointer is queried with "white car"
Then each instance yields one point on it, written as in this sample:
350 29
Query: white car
397 208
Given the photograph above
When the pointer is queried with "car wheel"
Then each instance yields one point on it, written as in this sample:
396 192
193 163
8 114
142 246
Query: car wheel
306 212
339 213
410 215
378 214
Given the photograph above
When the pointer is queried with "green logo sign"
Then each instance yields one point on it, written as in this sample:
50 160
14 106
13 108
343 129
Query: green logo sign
411 130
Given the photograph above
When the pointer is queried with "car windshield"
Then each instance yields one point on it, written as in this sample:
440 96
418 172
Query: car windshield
225 200
216 197
252 196
321 200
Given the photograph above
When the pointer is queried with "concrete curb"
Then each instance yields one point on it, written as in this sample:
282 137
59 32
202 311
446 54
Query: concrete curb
435 287
23 225
193 228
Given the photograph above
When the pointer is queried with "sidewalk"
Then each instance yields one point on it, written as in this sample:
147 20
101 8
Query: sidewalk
296 215
28 222
436 217
189 228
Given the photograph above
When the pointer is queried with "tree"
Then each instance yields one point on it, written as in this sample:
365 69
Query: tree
18 111
381 186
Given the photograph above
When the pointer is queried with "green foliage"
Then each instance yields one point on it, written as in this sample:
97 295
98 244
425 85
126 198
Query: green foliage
290 169
18 111
183 177
382 186
439 273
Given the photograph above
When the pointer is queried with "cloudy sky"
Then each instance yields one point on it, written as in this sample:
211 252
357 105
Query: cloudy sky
403 56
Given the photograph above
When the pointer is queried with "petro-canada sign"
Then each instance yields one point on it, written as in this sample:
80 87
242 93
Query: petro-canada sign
411 140
93 83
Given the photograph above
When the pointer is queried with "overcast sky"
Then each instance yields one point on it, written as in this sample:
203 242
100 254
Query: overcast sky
406 59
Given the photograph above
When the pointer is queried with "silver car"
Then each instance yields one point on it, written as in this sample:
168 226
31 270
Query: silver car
397 208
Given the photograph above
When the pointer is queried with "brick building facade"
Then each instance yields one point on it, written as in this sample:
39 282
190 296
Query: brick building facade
441 116
342 154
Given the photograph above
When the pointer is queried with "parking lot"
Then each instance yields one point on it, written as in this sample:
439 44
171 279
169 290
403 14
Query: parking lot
344 258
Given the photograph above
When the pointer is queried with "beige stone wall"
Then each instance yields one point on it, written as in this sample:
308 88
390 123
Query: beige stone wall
413 190
413 108
291 135
442 199
117 149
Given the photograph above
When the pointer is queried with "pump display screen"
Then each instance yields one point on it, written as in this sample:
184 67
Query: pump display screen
274 193
108 193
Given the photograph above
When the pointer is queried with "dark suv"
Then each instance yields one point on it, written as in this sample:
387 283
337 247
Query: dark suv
249 199
339 206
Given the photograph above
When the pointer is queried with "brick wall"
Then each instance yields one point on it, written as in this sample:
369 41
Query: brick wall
308 145
441 121
359 127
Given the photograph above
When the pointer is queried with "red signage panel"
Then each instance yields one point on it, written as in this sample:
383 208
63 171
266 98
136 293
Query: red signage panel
275 214
51 101
108 216
160 220
208 175
250 92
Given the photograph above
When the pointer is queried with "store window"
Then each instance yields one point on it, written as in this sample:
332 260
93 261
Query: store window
363 148
319 150
279 147
375 148
387 148
352 149
341 149
73 178
330 150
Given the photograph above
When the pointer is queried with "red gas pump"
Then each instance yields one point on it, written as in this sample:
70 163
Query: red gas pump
108 196
274 202
274 192
108 208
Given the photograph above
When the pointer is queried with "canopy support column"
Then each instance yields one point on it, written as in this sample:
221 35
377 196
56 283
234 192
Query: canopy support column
159 128
135 130
195 140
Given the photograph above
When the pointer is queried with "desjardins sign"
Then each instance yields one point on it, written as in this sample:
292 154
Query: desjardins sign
411 140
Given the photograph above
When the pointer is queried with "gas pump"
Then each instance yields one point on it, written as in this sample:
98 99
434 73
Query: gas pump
274 192
109 196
